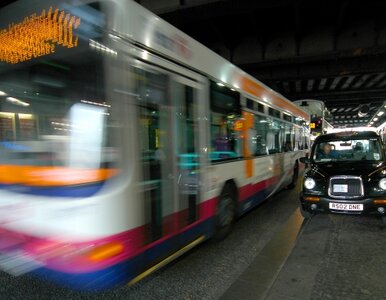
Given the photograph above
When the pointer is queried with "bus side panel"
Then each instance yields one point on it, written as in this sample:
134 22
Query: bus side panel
271 173
125 271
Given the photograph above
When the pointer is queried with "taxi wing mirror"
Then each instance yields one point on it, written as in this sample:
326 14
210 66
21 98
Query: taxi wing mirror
304 160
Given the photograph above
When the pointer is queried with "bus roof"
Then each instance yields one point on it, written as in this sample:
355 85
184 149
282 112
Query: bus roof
155 33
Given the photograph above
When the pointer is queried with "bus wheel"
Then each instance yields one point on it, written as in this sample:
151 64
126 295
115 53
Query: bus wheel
295 177
226 213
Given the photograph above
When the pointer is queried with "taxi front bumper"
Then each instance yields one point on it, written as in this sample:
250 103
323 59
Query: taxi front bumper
322 204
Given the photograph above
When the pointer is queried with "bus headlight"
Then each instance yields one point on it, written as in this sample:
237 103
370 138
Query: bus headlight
309 183
382 183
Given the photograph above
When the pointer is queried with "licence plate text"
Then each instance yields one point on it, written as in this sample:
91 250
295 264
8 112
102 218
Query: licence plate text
345 206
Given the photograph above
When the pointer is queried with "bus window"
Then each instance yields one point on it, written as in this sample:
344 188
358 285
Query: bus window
250 104
288 138
261 126
274 136
273 112
269 135
297 139
226 124
305 139
260 108
48 106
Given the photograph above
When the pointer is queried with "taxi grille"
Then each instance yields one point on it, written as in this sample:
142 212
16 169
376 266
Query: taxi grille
345 187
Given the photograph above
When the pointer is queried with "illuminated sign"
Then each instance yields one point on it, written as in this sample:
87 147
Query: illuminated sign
38 35
238 125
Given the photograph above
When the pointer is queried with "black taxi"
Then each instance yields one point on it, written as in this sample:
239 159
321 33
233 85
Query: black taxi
346 173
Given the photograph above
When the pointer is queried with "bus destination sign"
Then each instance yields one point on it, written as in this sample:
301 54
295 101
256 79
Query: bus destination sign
38 35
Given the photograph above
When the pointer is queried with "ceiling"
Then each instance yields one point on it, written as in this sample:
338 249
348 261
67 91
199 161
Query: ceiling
330 50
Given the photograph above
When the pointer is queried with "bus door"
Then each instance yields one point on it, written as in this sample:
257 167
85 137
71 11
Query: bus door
185 94
168 142
288 148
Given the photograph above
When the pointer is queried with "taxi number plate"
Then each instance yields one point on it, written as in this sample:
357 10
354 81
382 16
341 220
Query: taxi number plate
345 206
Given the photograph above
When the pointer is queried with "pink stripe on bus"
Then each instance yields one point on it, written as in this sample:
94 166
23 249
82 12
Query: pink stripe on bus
250 189
67 257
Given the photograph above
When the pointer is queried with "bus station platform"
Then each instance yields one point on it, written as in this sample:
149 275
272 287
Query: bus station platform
326 257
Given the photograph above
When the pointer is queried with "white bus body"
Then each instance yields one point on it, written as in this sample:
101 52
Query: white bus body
124 142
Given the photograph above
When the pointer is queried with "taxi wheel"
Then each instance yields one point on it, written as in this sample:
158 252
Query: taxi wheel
306 214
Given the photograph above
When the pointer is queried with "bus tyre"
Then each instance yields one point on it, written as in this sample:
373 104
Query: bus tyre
226 213
306 214
295 176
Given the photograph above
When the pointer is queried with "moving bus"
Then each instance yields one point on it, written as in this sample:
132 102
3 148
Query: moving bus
124 142
319 115
381 129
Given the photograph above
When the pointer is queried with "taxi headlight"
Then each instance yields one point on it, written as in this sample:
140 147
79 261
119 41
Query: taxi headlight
309 183
382 183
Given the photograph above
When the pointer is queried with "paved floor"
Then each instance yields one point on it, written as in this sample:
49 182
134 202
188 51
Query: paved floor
258 278
334 257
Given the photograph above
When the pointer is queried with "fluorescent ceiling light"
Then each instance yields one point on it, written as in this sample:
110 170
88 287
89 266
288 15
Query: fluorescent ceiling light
6 114
95 103
26 116
17 101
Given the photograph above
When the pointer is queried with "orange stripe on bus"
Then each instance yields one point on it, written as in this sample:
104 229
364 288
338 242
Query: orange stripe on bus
249 168
52 176
259 91
248 123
